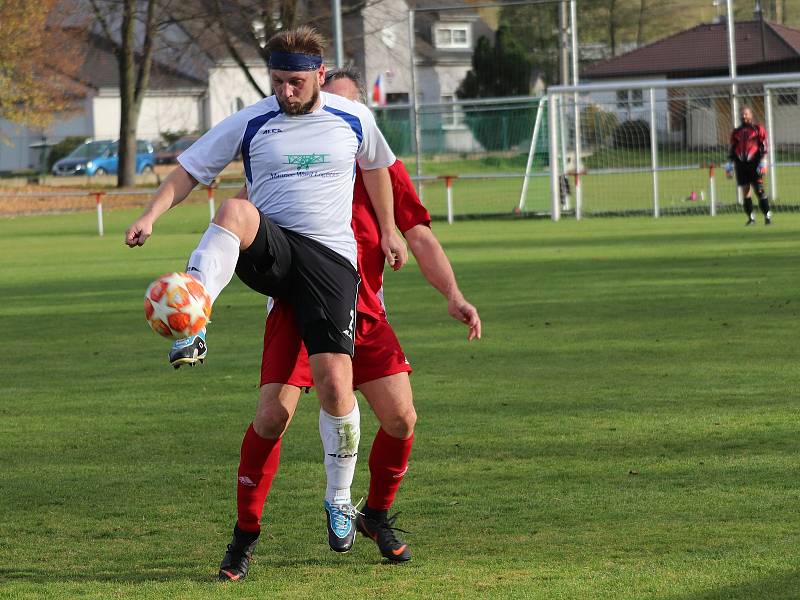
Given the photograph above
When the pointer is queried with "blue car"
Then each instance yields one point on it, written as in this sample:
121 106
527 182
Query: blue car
100 158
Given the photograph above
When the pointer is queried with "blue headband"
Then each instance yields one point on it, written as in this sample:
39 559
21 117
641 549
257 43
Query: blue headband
294 61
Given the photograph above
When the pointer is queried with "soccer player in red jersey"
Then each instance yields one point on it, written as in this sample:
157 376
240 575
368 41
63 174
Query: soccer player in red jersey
748 157
380 368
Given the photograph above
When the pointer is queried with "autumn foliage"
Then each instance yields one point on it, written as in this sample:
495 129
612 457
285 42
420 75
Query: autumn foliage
39 62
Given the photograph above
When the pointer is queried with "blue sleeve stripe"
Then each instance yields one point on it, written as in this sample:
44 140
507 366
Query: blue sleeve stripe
253 125
352 120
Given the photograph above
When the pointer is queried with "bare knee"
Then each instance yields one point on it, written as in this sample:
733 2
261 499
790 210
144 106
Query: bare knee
276 406
333 377
335 392
271 422
239 217
401 424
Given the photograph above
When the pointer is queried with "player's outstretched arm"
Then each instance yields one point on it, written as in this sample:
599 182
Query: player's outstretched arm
171 192
437 270
379 187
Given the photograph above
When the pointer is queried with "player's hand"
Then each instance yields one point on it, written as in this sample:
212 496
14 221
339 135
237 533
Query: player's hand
729 170
137 234
762 168
394 249
463 311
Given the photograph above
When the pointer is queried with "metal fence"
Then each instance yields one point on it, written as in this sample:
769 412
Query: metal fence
656 147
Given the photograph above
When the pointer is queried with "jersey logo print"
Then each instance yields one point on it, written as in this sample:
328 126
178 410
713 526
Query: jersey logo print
304 161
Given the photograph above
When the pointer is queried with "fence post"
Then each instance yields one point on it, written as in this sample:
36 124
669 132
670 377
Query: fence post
712 189
771 147
654 151
555 199
98 200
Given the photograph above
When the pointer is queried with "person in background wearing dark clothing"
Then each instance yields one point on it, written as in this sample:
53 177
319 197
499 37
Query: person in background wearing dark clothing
748 157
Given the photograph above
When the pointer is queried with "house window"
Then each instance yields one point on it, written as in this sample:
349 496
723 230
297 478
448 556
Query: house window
452 116
788 99
397 98
452 36
627 99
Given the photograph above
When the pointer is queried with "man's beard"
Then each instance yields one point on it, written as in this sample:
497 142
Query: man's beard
300 109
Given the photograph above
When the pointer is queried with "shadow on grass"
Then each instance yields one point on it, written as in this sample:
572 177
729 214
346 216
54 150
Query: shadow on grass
779 586
102 573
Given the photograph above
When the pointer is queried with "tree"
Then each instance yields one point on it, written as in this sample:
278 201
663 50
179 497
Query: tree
497 71
133 48
535 29
38 64
244 26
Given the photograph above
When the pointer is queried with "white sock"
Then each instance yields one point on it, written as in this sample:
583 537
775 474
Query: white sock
214 260
340 437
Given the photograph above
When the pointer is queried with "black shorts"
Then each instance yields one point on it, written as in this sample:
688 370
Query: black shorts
747 173
321 284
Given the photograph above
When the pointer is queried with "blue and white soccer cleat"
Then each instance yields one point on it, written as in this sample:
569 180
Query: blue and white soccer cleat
189 351
341 526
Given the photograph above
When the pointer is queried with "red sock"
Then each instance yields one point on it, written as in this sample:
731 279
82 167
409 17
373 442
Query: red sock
257 467
388 463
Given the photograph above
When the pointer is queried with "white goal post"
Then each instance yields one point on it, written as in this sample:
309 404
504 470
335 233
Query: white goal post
655 146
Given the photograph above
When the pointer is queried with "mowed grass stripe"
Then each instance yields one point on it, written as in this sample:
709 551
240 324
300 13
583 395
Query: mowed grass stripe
626 428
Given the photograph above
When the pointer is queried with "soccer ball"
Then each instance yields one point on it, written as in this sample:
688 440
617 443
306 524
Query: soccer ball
176 305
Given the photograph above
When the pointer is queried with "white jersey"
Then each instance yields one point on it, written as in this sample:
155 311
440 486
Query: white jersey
300 169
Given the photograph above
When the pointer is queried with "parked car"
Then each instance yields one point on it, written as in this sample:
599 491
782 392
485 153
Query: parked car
169 155
100 157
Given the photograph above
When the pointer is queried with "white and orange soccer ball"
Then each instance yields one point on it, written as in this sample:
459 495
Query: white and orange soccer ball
176 305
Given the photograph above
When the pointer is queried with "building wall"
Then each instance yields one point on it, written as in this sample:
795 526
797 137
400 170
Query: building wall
229 90
159 114
15 153
386 46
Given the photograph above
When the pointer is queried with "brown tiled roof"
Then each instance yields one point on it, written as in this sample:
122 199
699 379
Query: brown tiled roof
702 48
100 70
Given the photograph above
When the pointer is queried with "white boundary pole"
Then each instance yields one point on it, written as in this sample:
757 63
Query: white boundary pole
771 148
531 152
555 200
211 209
712 190
654 151
448 181
98 198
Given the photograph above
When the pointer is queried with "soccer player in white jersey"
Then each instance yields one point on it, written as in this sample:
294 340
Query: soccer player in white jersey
300 149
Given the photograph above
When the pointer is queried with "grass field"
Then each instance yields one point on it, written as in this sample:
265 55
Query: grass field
626 429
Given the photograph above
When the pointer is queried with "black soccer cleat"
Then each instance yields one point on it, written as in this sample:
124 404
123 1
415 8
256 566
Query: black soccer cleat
189 351
768 218
750 221
382 532
237 558
341 526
